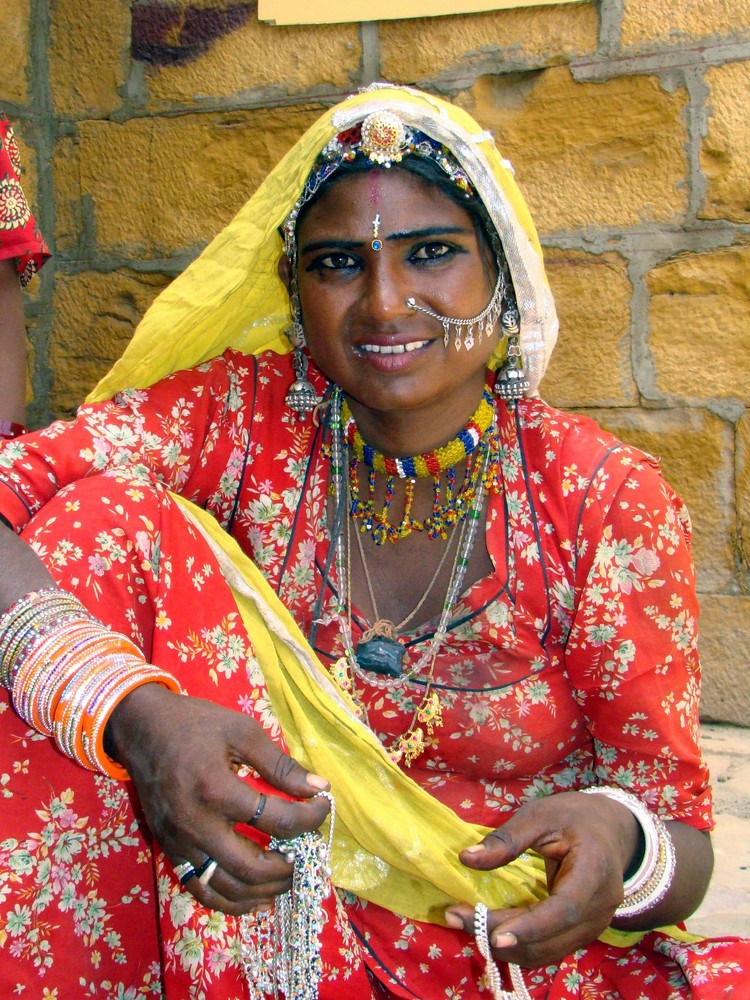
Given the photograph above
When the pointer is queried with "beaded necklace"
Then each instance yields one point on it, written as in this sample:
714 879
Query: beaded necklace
428 713
450 504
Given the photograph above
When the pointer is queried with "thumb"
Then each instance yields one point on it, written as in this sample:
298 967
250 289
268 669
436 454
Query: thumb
282 772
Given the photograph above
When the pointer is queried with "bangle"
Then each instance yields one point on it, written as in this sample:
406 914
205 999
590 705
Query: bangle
9 429
651 882
67 672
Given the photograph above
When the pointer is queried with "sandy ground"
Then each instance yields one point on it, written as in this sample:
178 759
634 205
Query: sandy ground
726 908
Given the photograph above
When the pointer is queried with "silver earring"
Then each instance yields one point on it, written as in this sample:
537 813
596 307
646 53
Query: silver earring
301 397
511 383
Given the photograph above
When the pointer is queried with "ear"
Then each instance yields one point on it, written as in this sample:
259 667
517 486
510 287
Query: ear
285 271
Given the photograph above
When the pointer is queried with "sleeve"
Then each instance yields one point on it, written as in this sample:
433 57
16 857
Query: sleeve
20 238
631 654
183 431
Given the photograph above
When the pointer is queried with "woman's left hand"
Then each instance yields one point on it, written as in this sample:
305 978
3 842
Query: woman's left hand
587 841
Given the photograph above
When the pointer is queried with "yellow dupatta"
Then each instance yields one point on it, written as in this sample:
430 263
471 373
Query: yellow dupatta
395 844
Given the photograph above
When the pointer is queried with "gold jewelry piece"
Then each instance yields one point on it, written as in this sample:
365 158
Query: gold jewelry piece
384 138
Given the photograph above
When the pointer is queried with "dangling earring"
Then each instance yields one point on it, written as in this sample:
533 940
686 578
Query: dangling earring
301 397
511 383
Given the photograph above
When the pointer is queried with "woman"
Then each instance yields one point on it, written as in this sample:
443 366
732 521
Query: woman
22 253
472 688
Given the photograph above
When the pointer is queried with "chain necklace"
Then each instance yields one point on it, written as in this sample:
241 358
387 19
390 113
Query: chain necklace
428 713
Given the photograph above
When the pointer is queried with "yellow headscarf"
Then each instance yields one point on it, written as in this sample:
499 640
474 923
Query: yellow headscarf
395 844
232 296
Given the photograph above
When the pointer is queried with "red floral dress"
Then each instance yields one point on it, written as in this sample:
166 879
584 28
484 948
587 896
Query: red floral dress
19 235
574 662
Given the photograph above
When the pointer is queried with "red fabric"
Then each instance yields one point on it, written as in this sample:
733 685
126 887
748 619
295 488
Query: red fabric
574 662
19 235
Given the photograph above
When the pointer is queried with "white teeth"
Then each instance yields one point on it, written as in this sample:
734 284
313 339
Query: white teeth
414 345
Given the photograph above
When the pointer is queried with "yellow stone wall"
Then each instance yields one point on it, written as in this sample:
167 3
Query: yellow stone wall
147 123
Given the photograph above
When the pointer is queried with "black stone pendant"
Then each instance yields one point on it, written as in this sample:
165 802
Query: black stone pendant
381 655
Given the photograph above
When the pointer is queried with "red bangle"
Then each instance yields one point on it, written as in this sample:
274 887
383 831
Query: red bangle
10 430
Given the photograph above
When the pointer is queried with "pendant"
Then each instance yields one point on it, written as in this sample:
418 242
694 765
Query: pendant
380 655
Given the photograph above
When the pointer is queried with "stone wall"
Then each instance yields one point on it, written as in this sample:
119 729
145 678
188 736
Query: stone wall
147 124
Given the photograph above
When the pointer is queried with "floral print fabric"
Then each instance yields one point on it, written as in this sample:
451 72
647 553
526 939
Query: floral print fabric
19 236
573 663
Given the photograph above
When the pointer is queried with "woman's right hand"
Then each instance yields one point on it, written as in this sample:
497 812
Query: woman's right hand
183 755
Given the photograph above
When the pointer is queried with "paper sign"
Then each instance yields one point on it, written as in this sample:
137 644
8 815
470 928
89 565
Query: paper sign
343 11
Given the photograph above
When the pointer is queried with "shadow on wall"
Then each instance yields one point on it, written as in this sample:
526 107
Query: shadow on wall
168 34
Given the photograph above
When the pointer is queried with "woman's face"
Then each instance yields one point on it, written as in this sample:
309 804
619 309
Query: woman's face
388 358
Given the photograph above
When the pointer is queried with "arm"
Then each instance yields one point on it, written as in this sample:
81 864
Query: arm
632 663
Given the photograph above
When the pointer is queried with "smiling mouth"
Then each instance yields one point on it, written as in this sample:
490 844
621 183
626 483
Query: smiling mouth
413 345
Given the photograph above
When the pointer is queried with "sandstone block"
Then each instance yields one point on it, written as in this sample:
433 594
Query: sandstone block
425 49
255 55
89 56
588 154
591 363
743 500
725 150
724 646
646 21
95 315
15 48
696 452
193 173
699 318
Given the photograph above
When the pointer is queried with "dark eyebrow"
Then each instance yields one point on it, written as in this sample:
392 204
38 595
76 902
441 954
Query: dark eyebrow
332 245
420 234
402 234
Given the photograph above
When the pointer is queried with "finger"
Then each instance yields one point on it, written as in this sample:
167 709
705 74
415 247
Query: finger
215 887
280 770
525 936
499 847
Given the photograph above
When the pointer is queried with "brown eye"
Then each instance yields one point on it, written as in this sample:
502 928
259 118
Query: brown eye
432 251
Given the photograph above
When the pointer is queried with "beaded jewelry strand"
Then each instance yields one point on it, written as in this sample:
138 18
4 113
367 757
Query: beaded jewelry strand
450 504
428 713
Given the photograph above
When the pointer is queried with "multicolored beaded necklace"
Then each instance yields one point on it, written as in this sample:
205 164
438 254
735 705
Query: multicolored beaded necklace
450 504
428 712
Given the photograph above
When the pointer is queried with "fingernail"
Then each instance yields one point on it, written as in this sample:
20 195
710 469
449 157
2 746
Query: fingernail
474 849
316 781
503 939
453 920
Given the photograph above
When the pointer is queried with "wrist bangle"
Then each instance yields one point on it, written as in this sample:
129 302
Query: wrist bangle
651 881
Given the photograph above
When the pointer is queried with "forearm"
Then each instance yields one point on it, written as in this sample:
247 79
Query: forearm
22 569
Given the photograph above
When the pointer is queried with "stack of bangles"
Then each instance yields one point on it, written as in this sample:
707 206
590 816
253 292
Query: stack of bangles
651 882
67 672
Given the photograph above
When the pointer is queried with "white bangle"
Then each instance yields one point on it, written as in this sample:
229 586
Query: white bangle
651 882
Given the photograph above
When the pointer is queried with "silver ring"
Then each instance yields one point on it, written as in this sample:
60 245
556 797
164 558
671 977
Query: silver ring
184 872
208 874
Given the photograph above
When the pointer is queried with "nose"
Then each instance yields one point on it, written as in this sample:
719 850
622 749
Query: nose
386 289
